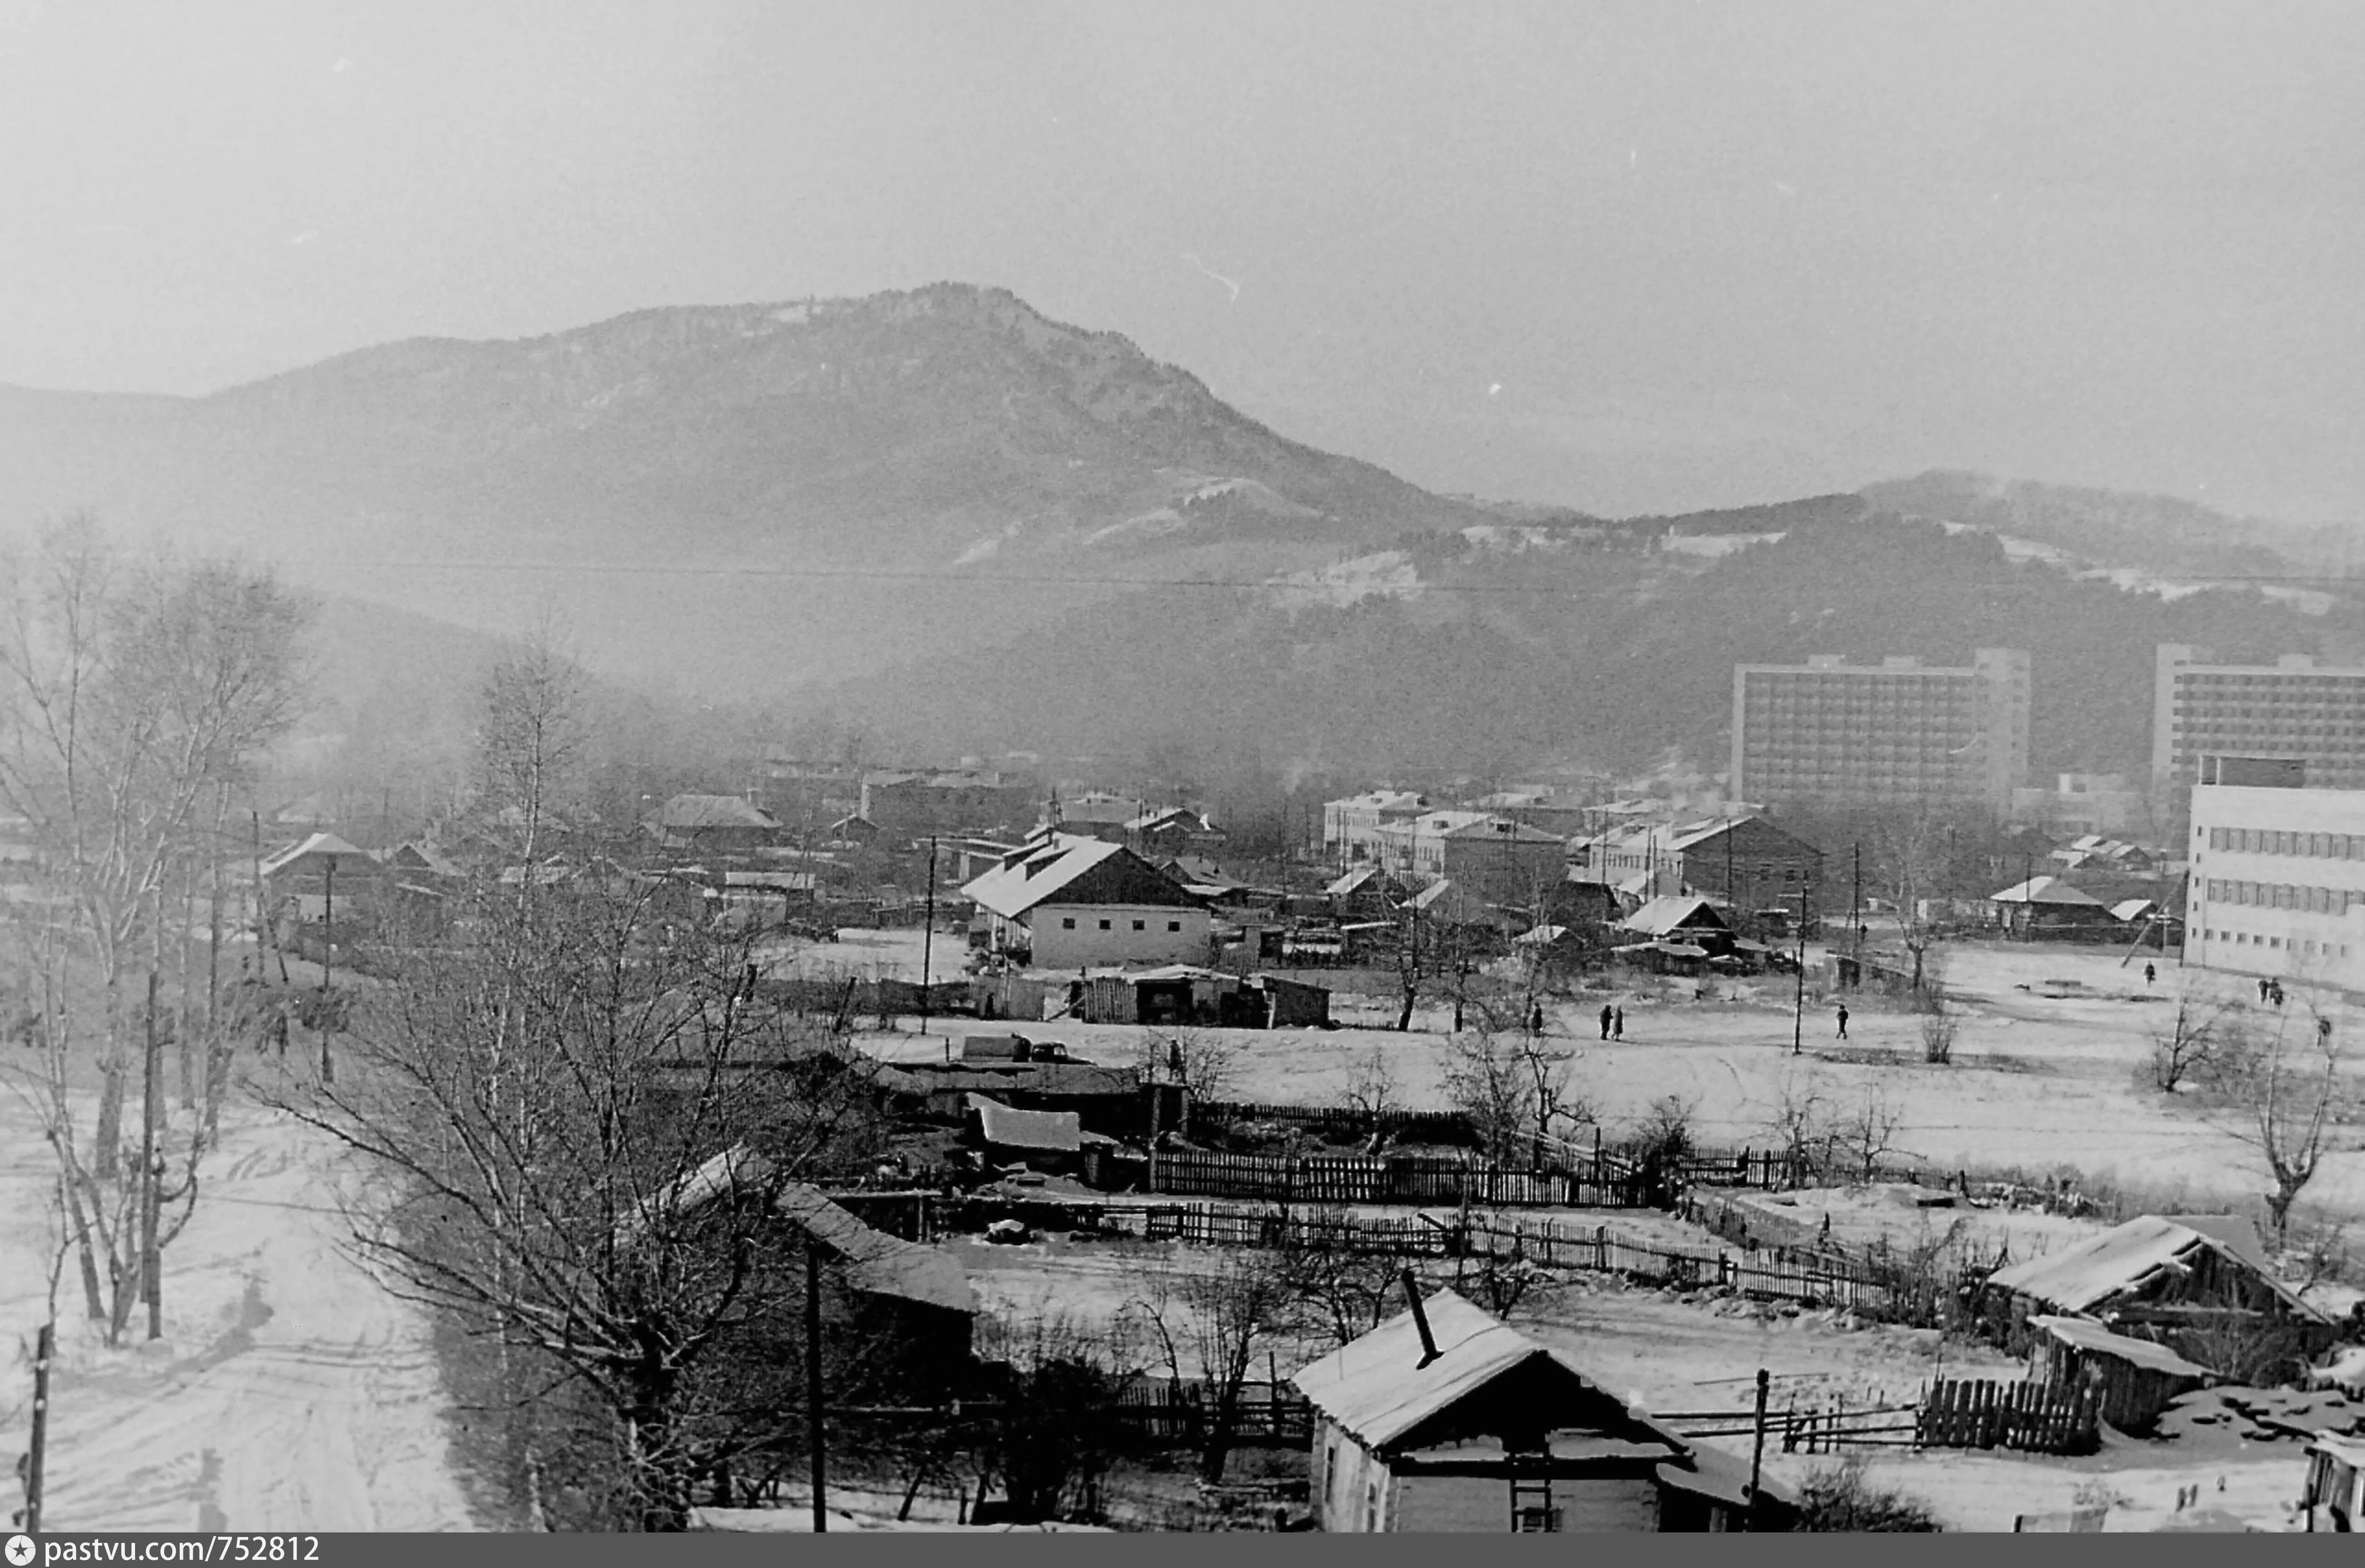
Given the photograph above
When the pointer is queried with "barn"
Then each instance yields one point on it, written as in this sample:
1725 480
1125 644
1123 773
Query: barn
1448 1420
2137 1377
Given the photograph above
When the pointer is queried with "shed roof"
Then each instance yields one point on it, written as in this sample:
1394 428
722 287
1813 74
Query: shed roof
1058 1131
2080 1277
1674 911
2046 890
327 844
1377 1389
875 1261
1056 862
2085 1333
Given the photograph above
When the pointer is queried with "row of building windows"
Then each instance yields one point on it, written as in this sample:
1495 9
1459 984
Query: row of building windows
2275 841
2285 895
1068 922
2305 948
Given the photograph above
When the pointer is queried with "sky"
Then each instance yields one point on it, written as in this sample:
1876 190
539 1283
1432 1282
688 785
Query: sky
1628 258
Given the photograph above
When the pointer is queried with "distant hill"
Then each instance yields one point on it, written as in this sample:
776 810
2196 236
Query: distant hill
1492 647
2157 533
726 501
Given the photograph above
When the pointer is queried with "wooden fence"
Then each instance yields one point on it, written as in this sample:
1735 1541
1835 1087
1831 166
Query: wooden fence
2030 1416
1176 1412
1346 1179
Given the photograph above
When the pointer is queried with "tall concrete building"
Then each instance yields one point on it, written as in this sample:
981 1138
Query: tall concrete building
1897 733
2278 883
2294 708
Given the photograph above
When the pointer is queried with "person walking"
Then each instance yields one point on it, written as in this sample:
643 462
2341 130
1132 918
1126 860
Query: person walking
1536 1019
2151 974
1842 1020
2263 993
1606 1018
1617 1026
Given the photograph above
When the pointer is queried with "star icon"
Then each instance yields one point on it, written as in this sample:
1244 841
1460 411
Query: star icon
20 1550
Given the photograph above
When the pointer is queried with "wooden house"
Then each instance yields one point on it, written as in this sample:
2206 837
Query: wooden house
2137 1377
1446 1419
2334 1496
2182 1281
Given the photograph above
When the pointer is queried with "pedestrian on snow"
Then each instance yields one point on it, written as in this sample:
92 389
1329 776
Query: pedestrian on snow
1607 1012
2262 992
2275 992
1536 1018
1842 1020
1617 1026
2151 974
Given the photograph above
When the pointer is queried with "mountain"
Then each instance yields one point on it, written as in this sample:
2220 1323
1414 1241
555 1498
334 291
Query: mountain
1496 647
2154 533
725 500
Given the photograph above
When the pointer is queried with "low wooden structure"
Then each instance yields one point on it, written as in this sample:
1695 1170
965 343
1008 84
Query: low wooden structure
2335 1484
1447 1420
2136 1377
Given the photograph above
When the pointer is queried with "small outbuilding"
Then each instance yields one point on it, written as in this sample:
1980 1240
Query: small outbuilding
2137 1377
1446 1419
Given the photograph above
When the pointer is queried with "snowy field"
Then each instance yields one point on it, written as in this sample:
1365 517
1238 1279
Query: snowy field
2041 1083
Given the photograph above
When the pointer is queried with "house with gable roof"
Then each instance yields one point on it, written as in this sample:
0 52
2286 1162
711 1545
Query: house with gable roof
1445 1420
1071 903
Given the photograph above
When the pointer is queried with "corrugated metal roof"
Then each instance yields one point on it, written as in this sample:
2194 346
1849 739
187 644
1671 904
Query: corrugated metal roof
2085 1333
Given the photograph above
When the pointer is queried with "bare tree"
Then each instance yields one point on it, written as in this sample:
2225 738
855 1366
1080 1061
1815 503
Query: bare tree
2284 1103
1867 1131
1370 1093
130 692
581 1131
1206 1065
1489 1083
1801 1125
1912 854
1216 1312
2186 1046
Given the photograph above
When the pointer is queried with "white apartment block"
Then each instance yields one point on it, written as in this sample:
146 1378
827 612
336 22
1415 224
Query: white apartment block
1351 827
2278 886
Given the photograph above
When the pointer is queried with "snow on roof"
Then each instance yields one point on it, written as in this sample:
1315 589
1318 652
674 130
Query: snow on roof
1351 882
2132 909
876 1262
2079 1278
327 844
1541 936
1058 1131
1671 911
1377 1389
2085 1333
2046 890
1043 867
2349 1450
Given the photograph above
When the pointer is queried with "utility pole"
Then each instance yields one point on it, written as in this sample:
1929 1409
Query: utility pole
45 1348
1799 1010
928 937
263 932
1757 1452
150 1261
328 962
813 1386
1856 901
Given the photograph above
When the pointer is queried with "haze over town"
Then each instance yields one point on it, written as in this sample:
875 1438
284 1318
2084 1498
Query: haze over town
1059 766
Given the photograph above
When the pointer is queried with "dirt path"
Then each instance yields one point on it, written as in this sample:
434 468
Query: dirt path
290 1391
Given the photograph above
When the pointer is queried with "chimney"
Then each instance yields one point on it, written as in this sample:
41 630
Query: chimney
1429 1352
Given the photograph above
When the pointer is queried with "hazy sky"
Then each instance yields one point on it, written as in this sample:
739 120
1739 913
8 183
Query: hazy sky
1623 256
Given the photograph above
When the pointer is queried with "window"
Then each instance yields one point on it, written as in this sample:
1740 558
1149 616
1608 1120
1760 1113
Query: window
1141 925
1539 1520
1068 922
1173 926
1104 926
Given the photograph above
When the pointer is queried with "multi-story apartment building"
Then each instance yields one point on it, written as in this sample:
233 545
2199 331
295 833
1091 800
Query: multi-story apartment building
2278 882
1490 858
1351 827
2294 708
1897 733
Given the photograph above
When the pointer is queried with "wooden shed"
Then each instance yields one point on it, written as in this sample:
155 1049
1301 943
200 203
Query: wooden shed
1447 1420
2137 1377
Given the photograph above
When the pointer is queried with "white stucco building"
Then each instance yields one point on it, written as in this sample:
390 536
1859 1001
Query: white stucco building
1073 902
2277 885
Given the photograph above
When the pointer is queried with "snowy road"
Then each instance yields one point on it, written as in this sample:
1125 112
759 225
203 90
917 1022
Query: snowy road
290 1391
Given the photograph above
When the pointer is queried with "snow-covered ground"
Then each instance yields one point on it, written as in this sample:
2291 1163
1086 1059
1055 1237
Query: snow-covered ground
290 1391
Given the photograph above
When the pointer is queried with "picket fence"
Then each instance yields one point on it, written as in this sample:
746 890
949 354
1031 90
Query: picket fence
1165 1410
1548 1241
